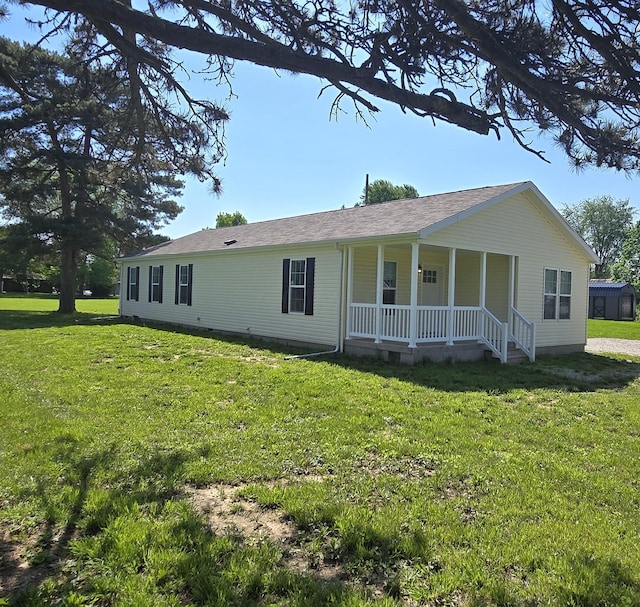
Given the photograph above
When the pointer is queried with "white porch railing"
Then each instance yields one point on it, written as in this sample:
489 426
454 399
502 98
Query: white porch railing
523 333
495 335
433 325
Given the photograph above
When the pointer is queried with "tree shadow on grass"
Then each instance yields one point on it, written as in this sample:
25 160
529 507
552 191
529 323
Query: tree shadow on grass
116 521
32 319
592 582
108 529
569 373
580 372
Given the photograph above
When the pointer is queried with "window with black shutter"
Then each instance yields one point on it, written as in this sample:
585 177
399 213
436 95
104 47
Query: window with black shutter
298 284
184 284
155 283
133 283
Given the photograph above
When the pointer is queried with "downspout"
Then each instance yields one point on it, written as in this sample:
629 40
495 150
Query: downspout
338 347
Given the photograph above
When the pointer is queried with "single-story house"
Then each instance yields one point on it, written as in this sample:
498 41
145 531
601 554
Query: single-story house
447 276
612 300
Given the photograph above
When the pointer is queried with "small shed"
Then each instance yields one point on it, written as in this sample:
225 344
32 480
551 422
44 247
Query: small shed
612 300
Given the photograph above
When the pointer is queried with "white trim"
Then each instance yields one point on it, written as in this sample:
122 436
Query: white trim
452 294
154 284
413 321
558 294
303 286
349 291
183 284
483 280
379 287
394 289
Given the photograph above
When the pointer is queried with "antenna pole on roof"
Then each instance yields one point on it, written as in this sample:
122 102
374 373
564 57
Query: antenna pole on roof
366 190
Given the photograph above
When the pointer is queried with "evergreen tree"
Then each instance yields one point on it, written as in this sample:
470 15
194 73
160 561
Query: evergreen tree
567 68
85 159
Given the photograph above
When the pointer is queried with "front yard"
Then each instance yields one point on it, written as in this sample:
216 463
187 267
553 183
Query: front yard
145 465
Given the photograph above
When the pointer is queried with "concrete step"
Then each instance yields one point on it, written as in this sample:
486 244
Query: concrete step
515 356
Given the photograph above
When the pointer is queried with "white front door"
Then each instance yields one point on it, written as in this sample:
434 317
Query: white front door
433 286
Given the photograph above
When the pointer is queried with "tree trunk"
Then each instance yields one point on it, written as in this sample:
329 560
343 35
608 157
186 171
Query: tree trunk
68 272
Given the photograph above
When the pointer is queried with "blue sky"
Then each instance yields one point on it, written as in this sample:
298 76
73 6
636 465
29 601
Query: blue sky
286 156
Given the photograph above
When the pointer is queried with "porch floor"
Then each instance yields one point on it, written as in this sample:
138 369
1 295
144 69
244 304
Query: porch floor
400 352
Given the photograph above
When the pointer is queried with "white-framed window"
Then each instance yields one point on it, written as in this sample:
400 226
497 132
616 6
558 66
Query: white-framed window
133 283
389 282
298 282
430 277
184 284
557 294
297 285
155 283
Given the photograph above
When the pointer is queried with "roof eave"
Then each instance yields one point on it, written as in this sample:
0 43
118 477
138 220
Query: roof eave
387 238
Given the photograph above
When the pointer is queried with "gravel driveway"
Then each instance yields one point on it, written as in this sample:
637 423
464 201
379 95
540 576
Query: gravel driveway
618 346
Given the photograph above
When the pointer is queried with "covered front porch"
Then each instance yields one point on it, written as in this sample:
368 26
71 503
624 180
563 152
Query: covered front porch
422 296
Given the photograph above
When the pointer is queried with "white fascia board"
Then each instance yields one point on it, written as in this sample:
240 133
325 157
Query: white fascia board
369 240
590 253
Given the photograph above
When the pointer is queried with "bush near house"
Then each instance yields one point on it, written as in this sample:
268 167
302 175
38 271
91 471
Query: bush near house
329 481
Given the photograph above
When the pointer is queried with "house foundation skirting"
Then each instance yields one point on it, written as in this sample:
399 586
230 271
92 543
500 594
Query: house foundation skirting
393 351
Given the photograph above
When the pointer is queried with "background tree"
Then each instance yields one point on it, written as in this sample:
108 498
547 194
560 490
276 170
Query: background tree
627 268
382 190
569 68
226 220
24 258
85 158
604 222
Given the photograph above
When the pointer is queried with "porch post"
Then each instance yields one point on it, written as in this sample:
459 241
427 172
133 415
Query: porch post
512 286
483 279
483 293
379 279
452 295
512 280
349 291
413 315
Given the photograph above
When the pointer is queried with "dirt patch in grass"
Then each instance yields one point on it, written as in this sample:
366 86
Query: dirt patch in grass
227 512
16 569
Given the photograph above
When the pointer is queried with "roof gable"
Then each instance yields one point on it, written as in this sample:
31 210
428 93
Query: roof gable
411 217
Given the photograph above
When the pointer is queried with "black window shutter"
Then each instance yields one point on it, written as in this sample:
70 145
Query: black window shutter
150 280
310 283
137 283
286 263
177 284
160 287
190 284
128 283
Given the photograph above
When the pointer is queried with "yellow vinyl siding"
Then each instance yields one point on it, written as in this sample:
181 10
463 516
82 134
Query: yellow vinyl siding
241 292
518 226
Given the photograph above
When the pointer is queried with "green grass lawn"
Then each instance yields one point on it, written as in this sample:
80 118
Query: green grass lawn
469 484
613 328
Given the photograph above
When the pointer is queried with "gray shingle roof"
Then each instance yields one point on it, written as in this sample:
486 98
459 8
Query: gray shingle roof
398 217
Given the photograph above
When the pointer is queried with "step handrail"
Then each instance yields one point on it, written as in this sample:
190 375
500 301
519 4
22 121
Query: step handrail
523 333
495 334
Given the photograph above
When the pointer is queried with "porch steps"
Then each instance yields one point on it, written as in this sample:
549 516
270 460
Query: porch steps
515 355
